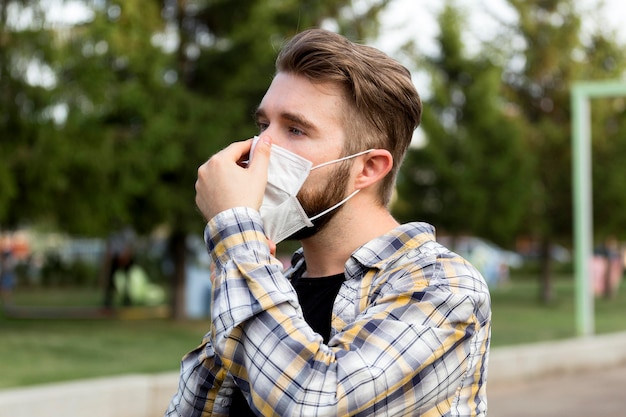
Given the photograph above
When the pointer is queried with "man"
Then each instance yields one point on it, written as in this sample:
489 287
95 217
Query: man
373 317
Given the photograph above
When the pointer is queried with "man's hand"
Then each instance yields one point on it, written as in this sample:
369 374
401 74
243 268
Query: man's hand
223 183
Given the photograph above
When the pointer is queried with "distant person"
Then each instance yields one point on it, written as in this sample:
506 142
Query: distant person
119 257
7 276
373 318
608 268
134 286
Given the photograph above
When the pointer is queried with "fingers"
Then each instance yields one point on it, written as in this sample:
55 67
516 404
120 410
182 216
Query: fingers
272 246
238 150
260 159
224 182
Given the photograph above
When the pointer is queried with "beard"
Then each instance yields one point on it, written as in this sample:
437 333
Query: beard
315 201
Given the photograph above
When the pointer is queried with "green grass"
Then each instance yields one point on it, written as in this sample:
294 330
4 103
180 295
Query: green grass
40 351
519 316
36 351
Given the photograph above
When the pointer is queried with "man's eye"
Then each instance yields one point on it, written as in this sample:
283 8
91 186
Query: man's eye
295 131
262 126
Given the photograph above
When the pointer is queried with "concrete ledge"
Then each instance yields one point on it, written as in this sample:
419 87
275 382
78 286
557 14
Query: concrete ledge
507 364
148 395
124 396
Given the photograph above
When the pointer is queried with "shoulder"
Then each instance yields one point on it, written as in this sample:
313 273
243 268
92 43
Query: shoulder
410 257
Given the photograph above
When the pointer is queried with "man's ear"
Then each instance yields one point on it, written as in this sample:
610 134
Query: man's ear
375 166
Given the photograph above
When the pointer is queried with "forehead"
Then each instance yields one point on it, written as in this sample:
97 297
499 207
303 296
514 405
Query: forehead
290 94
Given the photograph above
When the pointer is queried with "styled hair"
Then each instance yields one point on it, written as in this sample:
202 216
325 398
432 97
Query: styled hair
382 108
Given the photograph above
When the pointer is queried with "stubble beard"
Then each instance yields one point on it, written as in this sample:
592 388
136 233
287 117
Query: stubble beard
315 201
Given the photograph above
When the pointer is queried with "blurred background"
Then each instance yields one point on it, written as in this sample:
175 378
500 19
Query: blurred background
108 107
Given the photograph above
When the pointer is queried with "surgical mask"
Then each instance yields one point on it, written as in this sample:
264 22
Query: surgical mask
281 212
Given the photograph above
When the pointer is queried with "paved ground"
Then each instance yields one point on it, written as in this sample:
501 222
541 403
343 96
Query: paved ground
587 394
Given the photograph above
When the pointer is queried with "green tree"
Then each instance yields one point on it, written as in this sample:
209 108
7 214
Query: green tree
470 178
608 142
554 53
29 157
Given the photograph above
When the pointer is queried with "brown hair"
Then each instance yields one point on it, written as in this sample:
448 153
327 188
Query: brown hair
383 106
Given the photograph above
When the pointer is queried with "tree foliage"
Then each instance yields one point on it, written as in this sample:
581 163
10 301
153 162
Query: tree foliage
555 53
29 157
498 159
474 165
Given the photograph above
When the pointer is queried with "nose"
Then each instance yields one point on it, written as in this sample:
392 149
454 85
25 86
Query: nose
276 138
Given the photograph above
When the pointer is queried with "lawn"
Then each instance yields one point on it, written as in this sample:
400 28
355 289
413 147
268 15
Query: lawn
35 351
519 317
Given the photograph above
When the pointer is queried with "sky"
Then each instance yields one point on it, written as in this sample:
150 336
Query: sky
416 19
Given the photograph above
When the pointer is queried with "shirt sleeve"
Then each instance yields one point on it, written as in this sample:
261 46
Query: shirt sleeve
202 377
405 336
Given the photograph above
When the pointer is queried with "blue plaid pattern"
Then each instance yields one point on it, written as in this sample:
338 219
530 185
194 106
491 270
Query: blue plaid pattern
410 331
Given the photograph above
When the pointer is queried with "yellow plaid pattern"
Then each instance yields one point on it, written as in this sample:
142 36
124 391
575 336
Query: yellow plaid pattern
410 331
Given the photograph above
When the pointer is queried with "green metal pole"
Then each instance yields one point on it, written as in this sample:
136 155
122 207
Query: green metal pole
583 196
583 227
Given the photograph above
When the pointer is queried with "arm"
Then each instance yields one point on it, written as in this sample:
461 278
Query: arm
403 337
201 378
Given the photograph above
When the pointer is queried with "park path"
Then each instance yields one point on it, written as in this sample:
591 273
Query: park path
590 393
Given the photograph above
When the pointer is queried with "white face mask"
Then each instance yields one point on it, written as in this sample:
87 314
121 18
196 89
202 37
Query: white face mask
280 210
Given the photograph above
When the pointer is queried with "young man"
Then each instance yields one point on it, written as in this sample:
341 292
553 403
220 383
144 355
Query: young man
373 317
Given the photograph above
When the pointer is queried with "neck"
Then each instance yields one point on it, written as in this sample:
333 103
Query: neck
327 252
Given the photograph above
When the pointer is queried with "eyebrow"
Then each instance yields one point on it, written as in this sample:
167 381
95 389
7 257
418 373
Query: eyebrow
289 116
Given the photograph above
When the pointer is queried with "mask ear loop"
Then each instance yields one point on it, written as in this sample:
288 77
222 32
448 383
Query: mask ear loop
334 161
328 210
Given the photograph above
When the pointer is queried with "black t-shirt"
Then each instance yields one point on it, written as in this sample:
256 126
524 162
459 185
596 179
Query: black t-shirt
316 296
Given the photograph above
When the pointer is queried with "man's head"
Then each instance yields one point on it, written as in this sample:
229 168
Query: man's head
382 107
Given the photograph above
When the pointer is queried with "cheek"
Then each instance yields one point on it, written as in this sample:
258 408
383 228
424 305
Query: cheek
331 184
313 185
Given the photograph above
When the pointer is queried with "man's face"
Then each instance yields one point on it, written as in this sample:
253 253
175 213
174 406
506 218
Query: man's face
305 118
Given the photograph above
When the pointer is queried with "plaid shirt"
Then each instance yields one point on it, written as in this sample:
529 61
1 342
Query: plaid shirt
410 331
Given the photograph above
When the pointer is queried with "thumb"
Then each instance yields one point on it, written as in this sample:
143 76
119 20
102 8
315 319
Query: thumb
261 157
258 167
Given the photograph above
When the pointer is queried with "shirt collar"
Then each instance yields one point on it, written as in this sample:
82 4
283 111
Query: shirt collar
378 252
